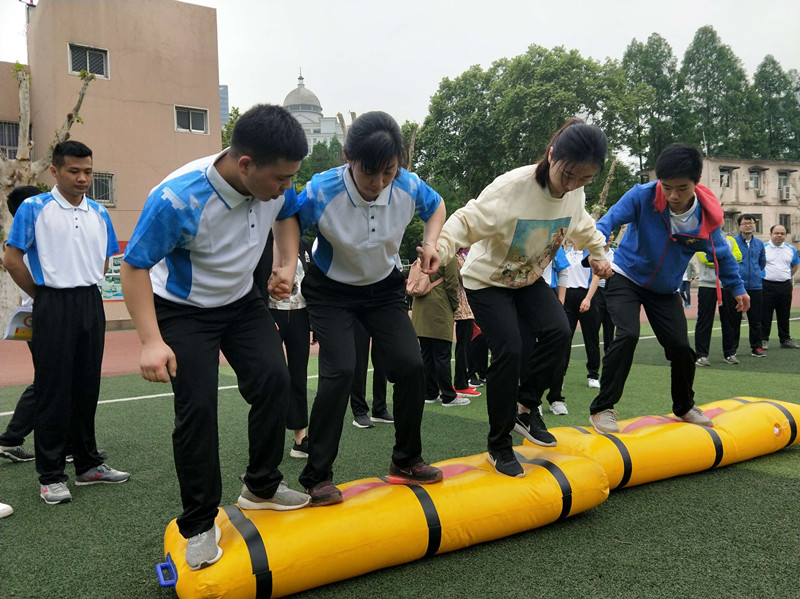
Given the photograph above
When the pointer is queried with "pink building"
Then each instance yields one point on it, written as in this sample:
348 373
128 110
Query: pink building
153 106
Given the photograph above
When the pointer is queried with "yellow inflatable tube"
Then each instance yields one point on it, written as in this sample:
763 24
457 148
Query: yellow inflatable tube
652 448
273 554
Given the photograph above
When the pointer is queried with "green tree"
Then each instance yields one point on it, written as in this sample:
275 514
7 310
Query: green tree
718 93
227 128
335 152
484 123
779 111
651 71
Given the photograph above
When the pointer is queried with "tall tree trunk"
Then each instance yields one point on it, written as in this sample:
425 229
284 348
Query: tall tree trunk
21 171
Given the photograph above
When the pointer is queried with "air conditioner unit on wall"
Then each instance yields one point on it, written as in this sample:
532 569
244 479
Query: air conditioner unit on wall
796 237
761 193
747 184
786 193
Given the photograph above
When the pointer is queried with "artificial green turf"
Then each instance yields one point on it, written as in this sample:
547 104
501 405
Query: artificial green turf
732 532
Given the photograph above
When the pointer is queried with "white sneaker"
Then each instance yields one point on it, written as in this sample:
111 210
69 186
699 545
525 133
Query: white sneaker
593 383
559 408
458 401
540 409
5 510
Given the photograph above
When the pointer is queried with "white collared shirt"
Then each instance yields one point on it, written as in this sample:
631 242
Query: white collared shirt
66 246
780 259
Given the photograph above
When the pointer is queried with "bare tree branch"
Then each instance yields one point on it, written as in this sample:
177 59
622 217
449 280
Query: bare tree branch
597 212
63 133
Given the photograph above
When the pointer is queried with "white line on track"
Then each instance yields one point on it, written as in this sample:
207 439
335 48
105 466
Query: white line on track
313 376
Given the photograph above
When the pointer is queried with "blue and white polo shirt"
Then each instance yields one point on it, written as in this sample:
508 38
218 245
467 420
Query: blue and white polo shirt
780 260
201 238
357 241
66 246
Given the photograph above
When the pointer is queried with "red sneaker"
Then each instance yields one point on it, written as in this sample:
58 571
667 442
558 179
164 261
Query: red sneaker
420 473
324 493
468 392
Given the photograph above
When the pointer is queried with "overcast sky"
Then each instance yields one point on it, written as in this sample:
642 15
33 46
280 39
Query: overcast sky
360 55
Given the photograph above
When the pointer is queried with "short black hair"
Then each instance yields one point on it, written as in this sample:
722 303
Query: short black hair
18 195
267 133
69 148
576 142
745 217
777 225
679 160
373 140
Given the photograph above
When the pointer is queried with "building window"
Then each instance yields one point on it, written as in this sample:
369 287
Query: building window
725 177
757 218
783 179
785 220
194 120
83 58
729 225
102 189
9 135
755 179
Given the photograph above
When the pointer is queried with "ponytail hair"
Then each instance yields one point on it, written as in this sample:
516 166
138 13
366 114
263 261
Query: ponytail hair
575 142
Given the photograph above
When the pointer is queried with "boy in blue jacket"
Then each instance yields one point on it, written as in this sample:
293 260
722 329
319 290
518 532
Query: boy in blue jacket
668 220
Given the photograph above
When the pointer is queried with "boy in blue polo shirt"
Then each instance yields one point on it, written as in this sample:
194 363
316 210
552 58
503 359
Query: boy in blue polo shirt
68 239
668 221
360 212
187 279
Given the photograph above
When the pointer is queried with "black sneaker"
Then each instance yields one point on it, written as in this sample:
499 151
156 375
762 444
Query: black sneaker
16 453
505 462
324 493
476 382
362 421
420 473
531 426
300 450
385 416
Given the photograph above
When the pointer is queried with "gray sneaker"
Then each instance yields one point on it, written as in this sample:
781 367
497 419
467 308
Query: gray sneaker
283 500
703 361
790 344
101 474
203 550
696 416
55 493
16 454
732 359
605 421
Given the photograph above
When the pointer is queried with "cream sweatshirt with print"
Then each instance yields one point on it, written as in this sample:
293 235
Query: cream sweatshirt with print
514 228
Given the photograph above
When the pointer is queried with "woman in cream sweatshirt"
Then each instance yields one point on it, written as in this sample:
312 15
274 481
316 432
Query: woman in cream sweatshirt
515 228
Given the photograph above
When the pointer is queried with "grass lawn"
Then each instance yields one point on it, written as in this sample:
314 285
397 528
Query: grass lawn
732 532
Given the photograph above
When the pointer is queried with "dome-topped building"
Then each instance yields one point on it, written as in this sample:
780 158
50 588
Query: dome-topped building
307 109
302 99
